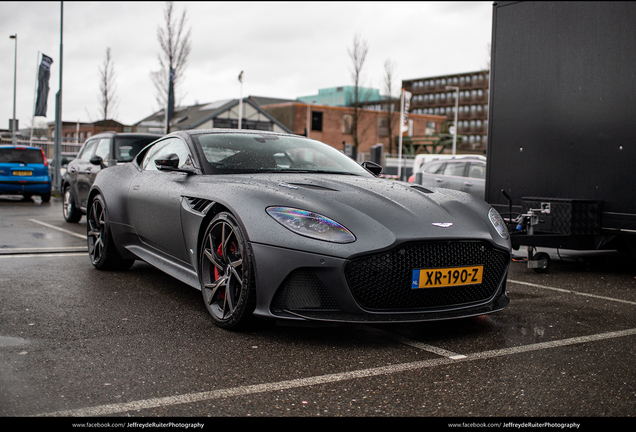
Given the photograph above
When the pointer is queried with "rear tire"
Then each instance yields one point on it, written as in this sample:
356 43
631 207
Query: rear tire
101 248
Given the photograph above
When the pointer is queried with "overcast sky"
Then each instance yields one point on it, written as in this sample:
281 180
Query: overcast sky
287 49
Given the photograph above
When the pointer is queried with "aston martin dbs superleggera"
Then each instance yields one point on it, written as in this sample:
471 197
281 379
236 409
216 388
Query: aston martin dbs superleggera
279 226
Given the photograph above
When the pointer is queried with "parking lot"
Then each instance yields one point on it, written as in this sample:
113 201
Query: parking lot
75 341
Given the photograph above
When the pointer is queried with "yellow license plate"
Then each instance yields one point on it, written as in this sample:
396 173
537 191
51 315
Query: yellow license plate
445 277
22 173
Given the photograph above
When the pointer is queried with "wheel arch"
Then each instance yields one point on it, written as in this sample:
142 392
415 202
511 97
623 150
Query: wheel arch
211 214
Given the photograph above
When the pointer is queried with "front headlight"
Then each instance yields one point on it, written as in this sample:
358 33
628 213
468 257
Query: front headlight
497 221
311 225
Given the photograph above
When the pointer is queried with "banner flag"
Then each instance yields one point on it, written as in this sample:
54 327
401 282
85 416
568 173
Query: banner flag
405 110
43 86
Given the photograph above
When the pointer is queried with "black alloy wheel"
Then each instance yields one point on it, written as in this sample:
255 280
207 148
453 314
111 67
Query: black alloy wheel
71 212
225 273
101 248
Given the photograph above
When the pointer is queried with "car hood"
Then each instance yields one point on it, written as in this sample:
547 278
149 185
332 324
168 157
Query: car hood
379 212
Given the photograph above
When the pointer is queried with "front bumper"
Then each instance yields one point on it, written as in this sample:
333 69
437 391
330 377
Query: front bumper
376 287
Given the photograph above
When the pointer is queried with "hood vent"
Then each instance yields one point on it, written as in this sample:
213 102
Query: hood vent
421 189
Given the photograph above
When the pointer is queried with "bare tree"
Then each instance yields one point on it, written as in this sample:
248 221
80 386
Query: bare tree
175 44
107 98
389 83
358 54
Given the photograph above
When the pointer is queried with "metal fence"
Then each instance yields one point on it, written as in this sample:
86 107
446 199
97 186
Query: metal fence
69 148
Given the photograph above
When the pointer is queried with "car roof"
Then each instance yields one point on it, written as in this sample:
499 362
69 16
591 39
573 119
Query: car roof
111 133
461 159
19 146
235 131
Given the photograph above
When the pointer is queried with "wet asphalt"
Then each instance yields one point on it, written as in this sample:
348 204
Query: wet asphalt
76 342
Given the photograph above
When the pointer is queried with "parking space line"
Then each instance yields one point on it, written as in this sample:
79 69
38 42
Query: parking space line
432 349
82 236
102 410
572 292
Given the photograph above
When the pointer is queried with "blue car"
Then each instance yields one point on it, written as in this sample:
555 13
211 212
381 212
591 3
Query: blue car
24 171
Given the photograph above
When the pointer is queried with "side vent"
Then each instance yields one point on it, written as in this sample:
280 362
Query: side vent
199 205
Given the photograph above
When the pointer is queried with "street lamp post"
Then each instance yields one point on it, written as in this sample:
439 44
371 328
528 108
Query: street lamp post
456 109
15 69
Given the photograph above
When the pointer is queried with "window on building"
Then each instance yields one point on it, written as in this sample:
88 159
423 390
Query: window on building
316 121
347 124
383 126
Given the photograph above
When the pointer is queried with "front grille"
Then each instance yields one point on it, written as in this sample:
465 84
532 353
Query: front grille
303 291
383 281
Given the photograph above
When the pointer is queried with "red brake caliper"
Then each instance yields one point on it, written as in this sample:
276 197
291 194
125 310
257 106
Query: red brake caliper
216 270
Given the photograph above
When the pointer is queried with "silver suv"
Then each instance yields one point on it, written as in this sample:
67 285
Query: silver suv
465 174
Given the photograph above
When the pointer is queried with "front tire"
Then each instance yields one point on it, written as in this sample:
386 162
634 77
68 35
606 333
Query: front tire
101 248
226 273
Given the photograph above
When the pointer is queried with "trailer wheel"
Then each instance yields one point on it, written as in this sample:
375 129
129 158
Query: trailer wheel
541 262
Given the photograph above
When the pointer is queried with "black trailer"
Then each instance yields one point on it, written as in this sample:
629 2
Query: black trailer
562 124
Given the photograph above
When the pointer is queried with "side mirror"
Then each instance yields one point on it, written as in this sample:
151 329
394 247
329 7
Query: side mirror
97 160
170 163
373 167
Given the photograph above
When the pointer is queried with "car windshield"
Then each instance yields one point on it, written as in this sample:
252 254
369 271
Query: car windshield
21 155
234 153
128 147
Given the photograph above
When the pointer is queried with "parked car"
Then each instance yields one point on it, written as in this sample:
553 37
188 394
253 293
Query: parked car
283 227
24 171
98 152
464 174
422 159
65 159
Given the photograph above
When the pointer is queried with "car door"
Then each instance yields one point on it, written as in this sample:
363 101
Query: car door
475 181
431 172
154 199
76 169
102 150
453 175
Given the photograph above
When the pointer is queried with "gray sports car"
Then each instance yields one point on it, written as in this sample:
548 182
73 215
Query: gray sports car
279 226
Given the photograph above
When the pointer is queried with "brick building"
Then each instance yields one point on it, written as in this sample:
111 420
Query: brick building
430 96
332 125
77 132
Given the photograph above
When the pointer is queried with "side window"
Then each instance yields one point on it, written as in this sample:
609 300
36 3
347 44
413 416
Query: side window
164 149
477 170
87 151
455 169
103 148
150 154
435 168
